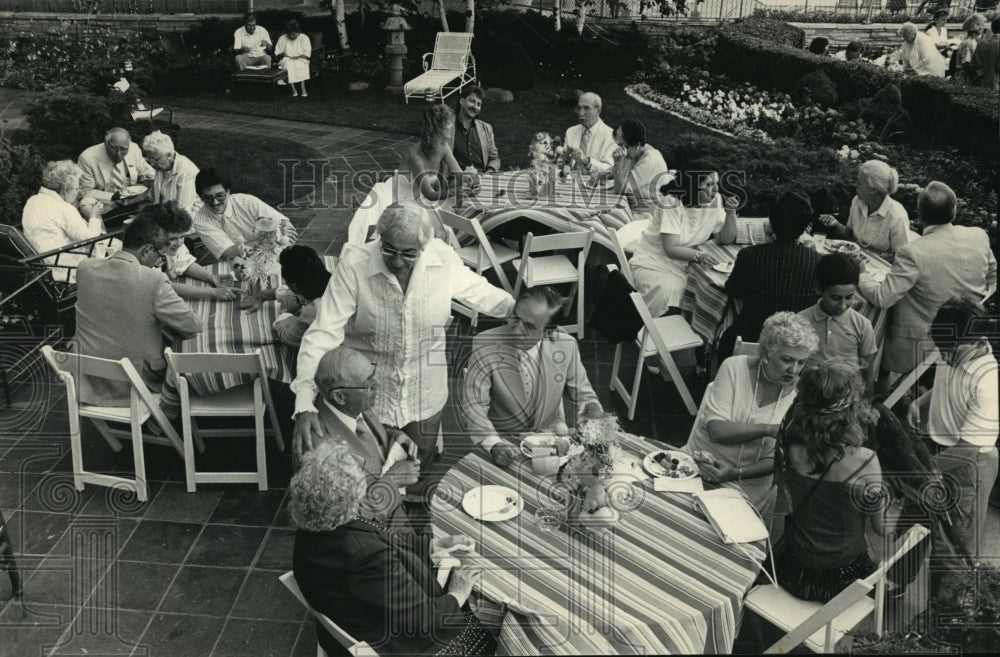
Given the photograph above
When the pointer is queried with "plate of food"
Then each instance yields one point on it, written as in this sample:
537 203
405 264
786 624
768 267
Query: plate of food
133 190
670 463
724 267
843 246
493 503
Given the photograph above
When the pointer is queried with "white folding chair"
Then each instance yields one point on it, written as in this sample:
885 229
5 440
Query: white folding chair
623 243
477 255
352 645
249 399
659 337
745 348
820 626
452 66
556 269
143 404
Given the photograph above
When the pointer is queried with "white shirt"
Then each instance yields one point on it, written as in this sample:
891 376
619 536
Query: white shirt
236 224
49 222
177 184
251 41
179 262
964 403
884 229
349 422
364 307
922 56
602 144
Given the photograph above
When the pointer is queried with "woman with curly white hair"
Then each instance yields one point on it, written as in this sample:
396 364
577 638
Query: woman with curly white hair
733 437
51 220
877 221
375 580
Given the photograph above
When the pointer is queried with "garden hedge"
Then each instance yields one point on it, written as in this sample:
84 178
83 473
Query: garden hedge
966 117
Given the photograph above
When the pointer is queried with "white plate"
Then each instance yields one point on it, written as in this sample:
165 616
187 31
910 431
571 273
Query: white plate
724 267
133 190
491 503
655 469
842 246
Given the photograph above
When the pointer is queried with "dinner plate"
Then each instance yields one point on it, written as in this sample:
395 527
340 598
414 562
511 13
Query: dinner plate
724 267
842 246
493 503
133 190
684 461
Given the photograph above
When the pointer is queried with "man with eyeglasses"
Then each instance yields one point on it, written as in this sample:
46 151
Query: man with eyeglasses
124 306
227 220
111 168
347 388
591 142
391 300
517 376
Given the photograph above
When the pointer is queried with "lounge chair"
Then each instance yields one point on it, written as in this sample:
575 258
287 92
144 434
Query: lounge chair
452 66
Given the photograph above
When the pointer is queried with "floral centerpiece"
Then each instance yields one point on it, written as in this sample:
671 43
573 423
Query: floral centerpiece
257 265
549 162
588 472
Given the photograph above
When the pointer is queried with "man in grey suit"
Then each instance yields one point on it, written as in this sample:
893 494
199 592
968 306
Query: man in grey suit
124 308
517 376
947 261
346 381
474 144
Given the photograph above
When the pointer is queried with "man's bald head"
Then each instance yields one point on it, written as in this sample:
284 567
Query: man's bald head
588 109
342 367
117 142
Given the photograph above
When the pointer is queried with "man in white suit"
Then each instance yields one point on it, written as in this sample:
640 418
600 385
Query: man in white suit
517 376
592 141
111 167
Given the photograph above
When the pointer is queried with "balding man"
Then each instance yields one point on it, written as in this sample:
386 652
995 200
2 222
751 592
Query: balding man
591 142
111 167
919 54
347 386
947 261
175 173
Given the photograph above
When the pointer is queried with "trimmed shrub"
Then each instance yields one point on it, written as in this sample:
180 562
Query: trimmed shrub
816 88
771 30
20 177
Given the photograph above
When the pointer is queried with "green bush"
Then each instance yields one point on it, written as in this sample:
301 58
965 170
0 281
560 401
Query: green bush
65 121
503 63
20 177
899 15
815 88
775 31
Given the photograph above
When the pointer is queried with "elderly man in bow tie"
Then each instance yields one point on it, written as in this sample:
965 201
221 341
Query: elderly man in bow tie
591 142
346 381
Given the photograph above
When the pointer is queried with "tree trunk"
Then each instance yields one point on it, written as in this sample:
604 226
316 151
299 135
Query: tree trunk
444 16
581 15
341 25
557 12
470 16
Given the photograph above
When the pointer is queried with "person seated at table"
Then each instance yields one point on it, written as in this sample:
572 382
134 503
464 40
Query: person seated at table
51 220
124 306
826 470
689 211
346 381
918 53
473 144
377 585
251 44
591 142
773 277
111 167
843 332
517 375
175 174
963 412
294 50
639 169
178 261
425 165
819 46
389 299
947 261
227 220
306 278
937 29
741 415
855 50
877 221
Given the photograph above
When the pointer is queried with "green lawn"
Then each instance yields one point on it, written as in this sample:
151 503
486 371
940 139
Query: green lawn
515 123
258 171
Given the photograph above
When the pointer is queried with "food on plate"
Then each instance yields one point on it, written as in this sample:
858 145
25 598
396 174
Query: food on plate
672 466
842 246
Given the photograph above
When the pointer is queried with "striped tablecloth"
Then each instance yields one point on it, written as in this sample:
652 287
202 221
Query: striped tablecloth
661 582
505 196
230 330
705 295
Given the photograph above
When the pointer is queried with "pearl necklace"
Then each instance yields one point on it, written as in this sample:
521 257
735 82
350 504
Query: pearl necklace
776 404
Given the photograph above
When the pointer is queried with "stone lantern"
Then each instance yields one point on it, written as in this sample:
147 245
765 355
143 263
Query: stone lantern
396 26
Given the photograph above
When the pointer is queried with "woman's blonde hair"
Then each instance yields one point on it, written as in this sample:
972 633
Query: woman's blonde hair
432 127
787 329
879 176
61 175
324 494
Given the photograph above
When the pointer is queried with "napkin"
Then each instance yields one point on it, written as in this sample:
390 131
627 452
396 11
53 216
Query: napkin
731 515
671 485
444 569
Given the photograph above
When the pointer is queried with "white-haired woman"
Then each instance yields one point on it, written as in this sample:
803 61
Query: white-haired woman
877 221
391 299
175 173
376 581
51 220
740 416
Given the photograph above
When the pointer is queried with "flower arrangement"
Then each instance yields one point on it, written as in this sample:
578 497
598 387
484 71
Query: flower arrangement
587 471
548 159
257 265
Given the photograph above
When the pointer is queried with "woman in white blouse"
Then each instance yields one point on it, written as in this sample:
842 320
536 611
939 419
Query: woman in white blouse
877 222
294 51
50 219
679 224
391 300
639 169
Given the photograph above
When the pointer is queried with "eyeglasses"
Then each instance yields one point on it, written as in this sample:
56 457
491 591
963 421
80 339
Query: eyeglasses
369 384
408 256
213 197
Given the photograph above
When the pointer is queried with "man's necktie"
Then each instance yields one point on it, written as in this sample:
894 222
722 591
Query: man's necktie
367 437
585 142
119 176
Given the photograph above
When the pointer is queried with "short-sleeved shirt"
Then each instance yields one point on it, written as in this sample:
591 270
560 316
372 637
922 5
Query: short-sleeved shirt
237 224
251 41
885 229
849 336
179 263
964 403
